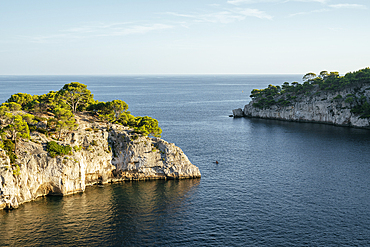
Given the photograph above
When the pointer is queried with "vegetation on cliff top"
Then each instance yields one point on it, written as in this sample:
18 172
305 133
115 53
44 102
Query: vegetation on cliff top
53 115
317 85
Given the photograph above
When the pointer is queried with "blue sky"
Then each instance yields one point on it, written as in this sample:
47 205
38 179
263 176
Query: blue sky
94 37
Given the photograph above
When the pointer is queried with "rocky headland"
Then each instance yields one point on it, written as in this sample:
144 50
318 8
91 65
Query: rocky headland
330 99
60 142
101 154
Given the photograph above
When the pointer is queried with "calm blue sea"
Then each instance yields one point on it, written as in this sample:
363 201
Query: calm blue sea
276 183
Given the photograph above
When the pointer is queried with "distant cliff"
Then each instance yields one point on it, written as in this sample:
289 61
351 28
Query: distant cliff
100 154
328 98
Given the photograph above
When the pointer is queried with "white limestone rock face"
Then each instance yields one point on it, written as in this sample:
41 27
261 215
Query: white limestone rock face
99 157
323 108
238 113
149 158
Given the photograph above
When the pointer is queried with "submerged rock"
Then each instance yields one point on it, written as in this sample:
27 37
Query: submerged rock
100 156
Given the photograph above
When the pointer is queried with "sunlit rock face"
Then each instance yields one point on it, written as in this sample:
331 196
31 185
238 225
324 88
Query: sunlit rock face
322 108
100 155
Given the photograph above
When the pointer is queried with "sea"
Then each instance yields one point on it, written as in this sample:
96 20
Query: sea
275 183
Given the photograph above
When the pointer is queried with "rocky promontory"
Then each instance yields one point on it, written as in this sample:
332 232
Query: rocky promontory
330 99
101 154
60 142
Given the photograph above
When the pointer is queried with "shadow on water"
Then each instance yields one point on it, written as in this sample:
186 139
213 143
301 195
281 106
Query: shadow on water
116 214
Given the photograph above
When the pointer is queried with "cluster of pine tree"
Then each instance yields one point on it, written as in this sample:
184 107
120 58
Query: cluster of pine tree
289 93
22 112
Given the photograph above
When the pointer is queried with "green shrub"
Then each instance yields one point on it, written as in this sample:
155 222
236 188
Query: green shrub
363 110
12 157
8 145
17 171
349 100
54 149
9 148
338 96
77 148
42 131
40 119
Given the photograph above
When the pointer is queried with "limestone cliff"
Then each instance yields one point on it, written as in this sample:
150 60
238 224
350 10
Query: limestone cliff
320 106
100 155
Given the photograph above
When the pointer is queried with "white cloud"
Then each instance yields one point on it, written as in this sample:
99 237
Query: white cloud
214 5
217 17
117 29
100 30
46 38
181 15
138 29
239 2
254 13
227 16
221 17
318 1
348 6
96 27
331 7
309 12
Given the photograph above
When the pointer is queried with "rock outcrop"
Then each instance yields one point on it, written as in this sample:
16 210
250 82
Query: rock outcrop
238 112
100 155
322 107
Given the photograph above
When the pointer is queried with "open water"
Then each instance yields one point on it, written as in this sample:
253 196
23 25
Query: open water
276 183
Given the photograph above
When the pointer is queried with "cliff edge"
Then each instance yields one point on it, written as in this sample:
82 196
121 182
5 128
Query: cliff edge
100 154
342 101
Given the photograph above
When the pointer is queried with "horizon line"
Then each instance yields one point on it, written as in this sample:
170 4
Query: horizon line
151 74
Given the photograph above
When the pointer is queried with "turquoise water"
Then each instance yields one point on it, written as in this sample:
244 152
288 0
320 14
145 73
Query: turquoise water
276 183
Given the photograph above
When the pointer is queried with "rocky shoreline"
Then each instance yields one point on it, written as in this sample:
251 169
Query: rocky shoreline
101 154
323 107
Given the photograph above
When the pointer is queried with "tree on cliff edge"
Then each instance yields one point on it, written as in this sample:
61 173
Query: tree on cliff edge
75 95
64 120
309 77
119 107
17 128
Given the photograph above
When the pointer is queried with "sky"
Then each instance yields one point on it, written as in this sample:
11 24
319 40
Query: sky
119 37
